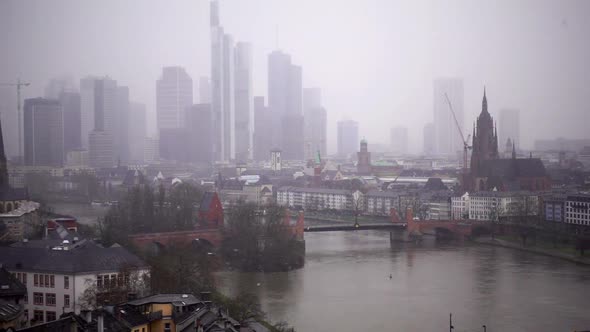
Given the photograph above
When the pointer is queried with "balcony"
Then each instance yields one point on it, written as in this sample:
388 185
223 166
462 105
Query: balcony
153 316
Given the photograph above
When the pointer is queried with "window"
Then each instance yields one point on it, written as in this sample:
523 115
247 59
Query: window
66 301
66 282
38 298
50 299
36 280
24 278
113 280
52 281
167 327
99 282
26 299
50 316
46 280
38 315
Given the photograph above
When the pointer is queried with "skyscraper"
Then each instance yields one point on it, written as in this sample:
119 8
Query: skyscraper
222 88
285 103
244 110
204 90
70 101
101 149
509 126
43 132
174 93
348 137
429 141
447 138
199 120
315 122
121 126
98 99
399 140
263 127
137 131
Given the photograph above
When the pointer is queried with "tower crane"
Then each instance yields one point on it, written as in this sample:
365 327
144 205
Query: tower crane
466 145
18 86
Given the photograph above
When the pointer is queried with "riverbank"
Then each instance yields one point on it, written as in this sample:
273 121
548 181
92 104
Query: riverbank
547 252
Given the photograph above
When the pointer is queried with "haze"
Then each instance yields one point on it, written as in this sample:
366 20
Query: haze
374 60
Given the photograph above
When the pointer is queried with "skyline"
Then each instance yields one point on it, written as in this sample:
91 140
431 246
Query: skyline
528 60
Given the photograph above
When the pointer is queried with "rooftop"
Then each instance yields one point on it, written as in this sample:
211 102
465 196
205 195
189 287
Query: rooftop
179 299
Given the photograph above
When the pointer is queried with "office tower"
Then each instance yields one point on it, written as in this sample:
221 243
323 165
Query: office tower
315 123
244 110
56 86
43 132
222 88
199 120
98 100
70 102
137 131
173 145
509 126
174 93
348 137
263 127
121 126
9 120
399 140
285 103
204 90
447 138
151 153
101 149
429 139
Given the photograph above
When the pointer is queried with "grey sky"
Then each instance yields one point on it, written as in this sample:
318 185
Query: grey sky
373 59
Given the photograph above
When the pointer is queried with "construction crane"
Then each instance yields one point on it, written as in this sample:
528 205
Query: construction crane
18 86
466 145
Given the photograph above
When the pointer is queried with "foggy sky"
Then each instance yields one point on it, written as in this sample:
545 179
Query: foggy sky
374 60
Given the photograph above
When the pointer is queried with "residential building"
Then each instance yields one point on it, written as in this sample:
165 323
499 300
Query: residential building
244 108
43 132
447 138
509 126
399 140
12 296
460 207
577 209
493 205
554 208
57 277
348 137
16 218
380 203
315 198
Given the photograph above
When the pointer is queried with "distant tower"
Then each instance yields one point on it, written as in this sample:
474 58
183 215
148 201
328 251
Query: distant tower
485 138
364 159
275 160
508 148
3 167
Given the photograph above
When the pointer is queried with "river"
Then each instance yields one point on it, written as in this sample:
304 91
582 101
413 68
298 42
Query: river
346 286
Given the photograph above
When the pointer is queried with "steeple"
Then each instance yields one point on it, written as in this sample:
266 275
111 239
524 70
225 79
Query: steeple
484 102
3 167
513 151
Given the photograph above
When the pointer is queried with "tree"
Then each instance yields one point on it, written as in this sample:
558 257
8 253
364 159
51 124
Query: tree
244 307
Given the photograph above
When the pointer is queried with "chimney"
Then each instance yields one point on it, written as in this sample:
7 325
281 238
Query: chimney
100 322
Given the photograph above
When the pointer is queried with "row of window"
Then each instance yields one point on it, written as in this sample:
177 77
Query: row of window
49 299
40 316
21 276
48 281
112 280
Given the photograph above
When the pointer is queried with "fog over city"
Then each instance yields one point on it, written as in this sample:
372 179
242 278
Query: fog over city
374 60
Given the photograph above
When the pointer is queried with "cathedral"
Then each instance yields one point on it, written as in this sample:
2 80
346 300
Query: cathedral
490 172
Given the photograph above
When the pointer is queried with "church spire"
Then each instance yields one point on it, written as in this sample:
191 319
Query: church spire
484 102
513 151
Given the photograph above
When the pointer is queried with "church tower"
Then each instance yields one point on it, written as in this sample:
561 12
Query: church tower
485 138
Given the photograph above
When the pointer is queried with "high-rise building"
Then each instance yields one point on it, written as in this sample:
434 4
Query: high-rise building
222 88
204 90
509 126
174 93
447 138
315 122
43 132
70 101
121 126
244 110
137 131
348 137
9 120
101 149
173 144
429 140
199 120
98 99
399 140
151 153
263 127
56 86
285 102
